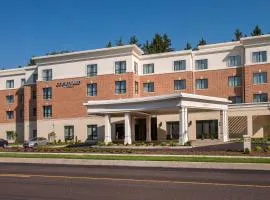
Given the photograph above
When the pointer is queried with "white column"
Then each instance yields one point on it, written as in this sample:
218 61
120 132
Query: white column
108 129
148 129
249 126
224 128
127 129
183 125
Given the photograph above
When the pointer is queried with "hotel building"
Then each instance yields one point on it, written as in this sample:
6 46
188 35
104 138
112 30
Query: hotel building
219 91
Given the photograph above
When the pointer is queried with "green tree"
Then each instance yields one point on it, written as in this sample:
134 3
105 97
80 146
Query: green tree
159 44
134 40
202 42
57 52
119 42
109 44
237 35
256 31
188 46
31 62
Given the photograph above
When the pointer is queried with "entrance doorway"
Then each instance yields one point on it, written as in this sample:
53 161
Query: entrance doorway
140 129
207 129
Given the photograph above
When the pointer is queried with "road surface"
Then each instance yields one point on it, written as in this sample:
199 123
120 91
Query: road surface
28 181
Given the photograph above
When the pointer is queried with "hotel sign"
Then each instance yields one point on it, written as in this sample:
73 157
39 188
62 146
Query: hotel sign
68 84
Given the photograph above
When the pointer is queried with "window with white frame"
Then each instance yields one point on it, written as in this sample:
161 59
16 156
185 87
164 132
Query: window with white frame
47 74
234 61
91 70
9 84
120 67
47 111
259 78
92 132
234 81
69 132
179 84
201 83
22 81
92 89
148 68
259 56
263 97
120 87
149 87
179 65
10 99
10 114
47 93
10 135
135 67
201 64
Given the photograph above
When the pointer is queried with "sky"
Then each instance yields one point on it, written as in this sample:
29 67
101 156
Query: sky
33 28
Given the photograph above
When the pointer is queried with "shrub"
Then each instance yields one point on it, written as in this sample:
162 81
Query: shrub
172 144
258 148
163 144
100 143
110 144
246 151
188 143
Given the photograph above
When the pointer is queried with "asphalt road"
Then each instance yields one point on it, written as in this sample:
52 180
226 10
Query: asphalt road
27 182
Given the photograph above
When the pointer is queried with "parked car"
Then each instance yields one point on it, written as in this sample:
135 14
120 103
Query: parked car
36 142
3 143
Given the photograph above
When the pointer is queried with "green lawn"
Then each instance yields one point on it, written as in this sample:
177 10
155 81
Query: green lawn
141 158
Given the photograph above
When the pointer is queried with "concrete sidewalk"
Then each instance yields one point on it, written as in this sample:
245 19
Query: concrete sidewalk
161 164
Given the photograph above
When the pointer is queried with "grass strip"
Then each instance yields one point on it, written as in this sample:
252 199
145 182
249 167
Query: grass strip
140 158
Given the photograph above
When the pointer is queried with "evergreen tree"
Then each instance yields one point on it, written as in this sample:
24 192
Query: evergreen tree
109 44
202 42
256 31
159 44
31 62
134 40
119 42
237 35
188 46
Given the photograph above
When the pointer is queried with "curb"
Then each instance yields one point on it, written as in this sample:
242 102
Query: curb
123 163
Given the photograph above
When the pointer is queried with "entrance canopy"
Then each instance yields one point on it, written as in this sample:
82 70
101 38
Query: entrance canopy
174 103
157 104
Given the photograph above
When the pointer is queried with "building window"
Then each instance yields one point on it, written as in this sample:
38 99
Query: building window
259 78
22 81
172 130
263 97
136 87
47 111
34 94
69 132
10 99
10 114
47 93
120 87
149 87
47 75
120 67
234 61
148 68
135 67
34 133
234 81
235 99
34 112
10 135
35 77
10 84
92 132
179 65
201 83
92 89
91 70
260 56
201 64
179 84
